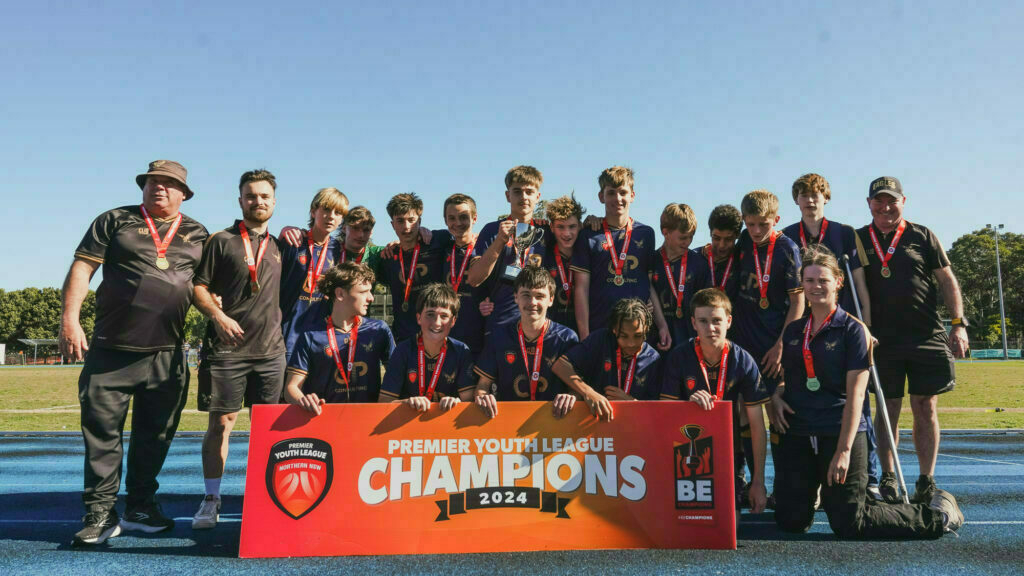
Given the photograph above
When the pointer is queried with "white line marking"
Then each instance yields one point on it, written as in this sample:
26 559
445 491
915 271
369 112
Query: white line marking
982 460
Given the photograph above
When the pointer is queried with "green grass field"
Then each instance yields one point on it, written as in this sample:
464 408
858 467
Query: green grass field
46 399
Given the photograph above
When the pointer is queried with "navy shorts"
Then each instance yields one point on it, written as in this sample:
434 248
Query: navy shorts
923 369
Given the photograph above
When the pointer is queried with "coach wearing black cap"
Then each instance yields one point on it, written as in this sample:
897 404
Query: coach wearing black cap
906 268
149 253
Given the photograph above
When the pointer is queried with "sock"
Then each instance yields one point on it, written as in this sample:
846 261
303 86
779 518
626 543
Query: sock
212 486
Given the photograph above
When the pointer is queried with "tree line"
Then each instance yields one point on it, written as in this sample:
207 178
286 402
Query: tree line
35 312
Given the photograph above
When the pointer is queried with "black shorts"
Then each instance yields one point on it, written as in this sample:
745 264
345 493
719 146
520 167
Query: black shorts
227 385
923 369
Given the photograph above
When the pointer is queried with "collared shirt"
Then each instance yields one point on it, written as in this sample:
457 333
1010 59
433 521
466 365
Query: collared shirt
401 380
757 329
502 361
697 274
498 290
313 358
299 301
469 325
590 255
223 270
905 306
840 239
715 281
683 375
563 310
594 360
139 307
841 346
428 271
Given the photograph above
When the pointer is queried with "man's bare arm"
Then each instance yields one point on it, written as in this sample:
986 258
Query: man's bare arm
950 289
71 339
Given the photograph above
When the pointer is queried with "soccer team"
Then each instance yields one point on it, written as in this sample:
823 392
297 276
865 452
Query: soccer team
560 309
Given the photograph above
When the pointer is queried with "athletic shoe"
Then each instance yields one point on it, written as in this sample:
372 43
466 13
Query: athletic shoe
208 514
874 493
100 524
888 488
924 490
944 503
149 519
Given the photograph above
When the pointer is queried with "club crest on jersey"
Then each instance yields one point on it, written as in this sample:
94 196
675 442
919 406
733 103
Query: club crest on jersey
607 365
299 475
510 357
302 259
691 383
694 469
327 351
411 375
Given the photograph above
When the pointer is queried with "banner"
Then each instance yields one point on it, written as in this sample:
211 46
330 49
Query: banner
385 479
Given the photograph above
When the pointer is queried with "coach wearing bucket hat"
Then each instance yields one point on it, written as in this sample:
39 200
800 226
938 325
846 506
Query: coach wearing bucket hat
149 253
906 268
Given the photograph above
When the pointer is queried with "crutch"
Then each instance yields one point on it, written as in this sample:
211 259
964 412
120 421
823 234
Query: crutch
879 395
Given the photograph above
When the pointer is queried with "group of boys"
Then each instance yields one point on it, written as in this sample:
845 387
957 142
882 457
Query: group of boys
560 309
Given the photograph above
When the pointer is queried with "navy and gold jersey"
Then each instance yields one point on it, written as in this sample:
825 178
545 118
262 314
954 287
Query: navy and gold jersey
428 271
563 310
139 307
841 346
591 255
469 325
594 360
313 358
401 380
300 301
905 306
717 276
683 375
498 290
697 273
840 239
502 361
757 329
223 270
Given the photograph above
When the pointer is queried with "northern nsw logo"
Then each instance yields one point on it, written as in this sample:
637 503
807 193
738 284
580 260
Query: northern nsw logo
694 470
299 475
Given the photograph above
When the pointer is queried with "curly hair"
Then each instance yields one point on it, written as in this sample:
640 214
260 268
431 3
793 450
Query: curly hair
633 310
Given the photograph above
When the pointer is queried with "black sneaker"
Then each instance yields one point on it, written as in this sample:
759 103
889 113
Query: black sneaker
944 503
149 519
924 490
889 489
100 524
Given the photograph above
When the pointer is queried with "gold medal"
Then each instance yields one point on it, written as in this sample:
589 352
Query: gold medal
813 384
619 280
764 303
405 306
886 272
162 263
254 285
679 312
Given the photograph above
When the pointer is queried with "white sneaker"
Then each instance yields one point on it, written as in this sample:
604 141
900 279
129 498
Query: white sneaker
208 514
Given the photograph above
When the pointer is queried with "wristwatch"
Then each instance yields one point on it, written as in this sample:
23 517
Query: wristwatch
959 322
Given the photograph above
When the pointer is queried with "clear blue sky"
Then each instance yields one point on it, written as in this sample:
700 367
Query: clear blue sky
705 100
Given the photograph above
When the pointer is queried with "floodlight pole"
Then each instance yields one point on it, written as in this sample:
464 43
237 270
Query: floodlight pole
999 276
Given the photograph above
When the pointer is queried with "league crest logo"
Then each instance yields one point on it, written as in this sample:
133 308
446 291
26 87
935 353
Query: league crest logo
299 475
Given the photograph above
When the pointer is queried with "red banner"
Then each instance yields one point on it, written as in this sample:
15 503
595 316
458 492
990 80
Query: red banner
385 479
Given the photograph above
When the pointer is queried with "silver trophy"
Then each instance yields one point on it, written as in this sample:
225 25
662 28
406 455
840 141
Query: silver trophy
526 237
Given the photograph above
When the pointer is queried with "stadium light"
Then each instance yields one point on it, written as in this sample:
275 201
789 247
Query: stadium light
999 275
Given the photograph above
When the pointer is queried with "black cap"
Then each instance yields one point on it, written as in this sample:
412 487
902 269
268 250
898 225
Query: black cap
885 185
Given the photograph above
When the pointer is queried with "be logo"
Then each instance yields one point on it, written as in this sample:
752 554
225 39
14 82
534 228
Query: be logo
694 470
299 475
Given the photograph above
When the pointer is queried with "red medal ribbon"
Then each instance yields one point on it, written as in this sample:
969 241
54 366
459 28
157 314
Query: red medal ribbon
535 373
457 280
313 272
565 278
422 365
252 263
821 233
885 256
678 288
728 269
412 269
720 385
344 370
359 257
808 336
764 277
629 373
161 245
618 259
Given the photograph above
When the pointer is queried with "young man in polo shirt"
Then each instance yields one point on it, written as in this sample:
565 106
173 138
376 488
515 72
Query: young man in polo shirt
499 254
303 265
617 261
679 272
339 361
149 253
906 268
566 217
244 347
724 225
458 242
